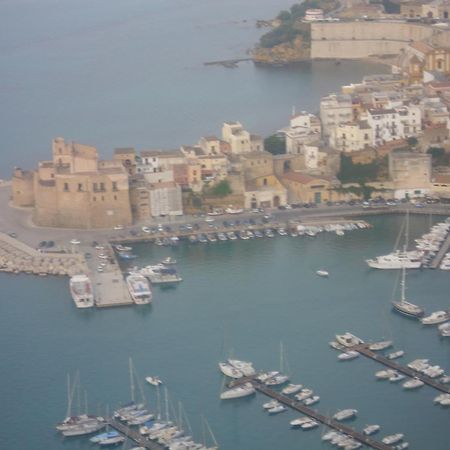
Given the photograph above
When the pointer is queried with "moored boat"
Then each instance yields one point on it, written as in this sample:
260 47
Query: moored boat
81 291
230 371
414 383
392 439
291 389
348 339
346 356
322 273
139 289
155 381
237 392
345 414
371 429
435 318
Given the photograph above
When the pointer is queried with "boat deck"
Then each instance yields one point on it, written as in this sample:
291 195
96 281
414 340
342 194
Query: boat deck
300 407
364 350
134 435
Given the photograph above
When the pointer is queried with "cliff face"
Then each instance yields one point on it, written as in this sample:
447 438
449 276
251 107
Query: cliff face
286 53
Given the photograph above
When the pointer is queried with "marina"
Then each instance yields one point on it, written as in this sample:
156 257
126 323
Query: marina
313 414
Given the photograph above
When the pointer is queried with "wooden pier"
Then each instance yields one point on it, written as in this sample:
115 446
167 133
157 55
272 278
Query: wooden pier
300 407
134 435
364 350
440 255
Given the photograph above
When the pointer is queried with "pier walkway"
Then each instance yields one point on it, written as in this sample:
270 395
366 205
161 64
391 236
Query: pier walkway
300 407
364 350
134 435
440 255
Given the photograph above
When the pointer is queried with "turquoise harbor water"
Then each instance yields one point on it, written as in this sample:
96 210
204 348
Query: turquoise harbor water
242 297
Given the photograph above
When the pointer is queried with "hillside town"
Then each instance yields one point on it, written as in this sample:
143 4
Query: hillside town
387 136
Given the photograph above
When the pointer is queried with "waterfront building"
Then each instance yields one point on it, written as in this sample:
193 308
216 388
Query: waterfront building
410 173
265 192
75 189
312 15
352 137
240 140
305 188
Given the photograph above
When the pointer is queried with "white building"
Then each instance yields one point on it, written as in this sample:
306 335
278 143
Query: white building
165 199
240 140
351 137
335 110
312 15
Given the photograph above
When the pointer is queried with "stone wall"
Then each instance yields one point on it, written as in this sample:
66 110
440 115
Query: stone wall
352 40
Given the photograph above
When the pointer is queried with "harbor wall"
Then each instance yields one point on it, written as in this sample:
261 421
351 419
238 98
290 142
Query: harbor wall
352 40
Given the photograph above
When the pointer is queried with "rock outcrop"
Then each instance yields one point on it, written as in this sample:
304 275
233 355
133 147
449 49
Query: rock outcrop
282 54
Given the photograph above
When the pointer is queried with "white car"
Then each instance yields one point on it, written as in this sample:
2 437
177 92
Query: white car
209 220
75 242
146 230
103 256
118 227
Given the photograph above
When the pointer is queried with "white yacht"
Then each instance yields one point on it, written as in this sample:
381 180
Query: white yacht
161 274
81 291
371 429
276 380
139 289
309 425
291 389
230 371
377 346
348 339
395 355
404 307
155 381
345 414
385 374
436 318
304 394
311 400
444 329
397 260
277 409
396 377
237 392
245 367
346 356
322 273
272 404
392 439
414 383
299 422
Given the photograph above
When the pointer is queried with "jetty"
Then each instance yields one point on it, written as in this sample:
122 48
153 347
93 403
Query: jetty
134 435
300 407
228 63
365 351
440 254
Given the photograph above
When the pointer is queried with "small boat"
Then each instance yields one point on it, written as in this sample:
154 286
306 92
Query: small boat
402 446
193 239
271 404
304 394
371 429
385 374
414 383
336 345
377 346
112 441
237 392
140 420
291 389
311 400
346 356
126 255
309 425
299 422
258 234
155 381
211 238
243 366
348 339
222 237
396 377
442 399
395 355
339 232
276 380
168 261
231 235
345 414
444 329
277 409
322 273
230 371
392 439
445 379
102 436
436 318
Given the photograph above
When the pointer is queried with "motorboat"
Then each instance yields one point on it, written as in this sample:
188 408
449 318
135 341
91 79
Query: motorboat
396 377
237 392
436 318
272 404
276 380
345 414
444 329
402 446
414 383
155 381
277 409
140 420
309 425
442 398
445 379
264 376
269 233
291 389
81 291
231 210
102 436
348 339
169 261
161 274
336 345
311 400
299 422
222 237
75 421
123 248
139 289
385 374
84 429
112 441
231 235
258 234
377 346
395 355
399 259
245 367
392 439
371 429
230 371
346 356
322 273
211 238
304 394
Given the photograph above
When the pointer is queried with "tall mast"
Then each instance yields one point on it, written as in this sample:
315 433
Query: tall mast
130 368
166 402
281 357
158 402
69 398
402 284
407 230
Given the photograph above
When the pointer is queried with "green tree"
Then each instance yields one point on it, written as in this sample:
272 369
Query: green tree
275 144
412 141
284 15
439 157
221 189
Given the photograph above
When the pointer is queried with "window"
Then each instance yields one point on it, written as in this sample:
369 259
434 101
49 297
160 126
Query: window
66 187
103 198
94 198
265 182
95 187
102 186
80 187
115 197
114 185
366 136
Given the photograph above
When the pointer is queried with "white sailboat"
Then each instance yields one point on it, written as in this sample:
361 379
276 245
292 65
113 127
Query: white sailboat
403 306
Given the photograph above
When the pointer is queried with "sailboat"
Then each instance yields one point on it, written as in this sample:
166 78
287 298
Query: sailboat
278 378
404 307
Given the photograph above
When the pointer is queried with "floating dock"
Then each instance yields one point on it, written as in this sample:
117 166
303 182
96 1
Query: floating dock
364 350
134 435
300 407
